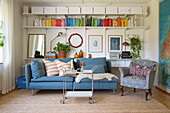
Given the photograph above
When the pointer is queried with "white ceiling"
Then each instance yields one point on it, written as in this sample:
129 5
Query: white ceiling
62 2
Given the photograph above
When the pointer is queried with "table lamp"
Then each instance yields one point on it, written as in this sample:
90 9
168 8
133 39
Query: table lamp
52 54
125 44
59 34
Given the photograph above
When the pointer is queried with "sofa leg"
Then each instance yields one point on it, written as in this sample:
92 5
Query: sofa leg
146 94
34 92
114 91
121 87
150 92
134 90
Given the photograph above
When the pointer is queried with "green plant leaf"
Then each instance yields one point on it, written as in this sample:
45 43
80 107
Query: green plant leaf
136 46
61 46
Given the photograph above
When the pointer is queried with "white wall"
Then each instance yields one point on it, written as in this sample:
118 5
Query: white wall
1 66
152 34
18 38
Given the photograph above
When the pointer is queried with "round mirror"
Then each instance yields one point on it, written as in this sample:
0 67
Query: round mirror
75 40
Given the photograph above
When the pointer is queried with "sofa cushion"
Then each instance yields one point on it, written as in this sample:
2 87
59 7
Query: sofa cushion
63 60
67 65
100 68
52 79
37 68
95 61
134 81
105 80
51 68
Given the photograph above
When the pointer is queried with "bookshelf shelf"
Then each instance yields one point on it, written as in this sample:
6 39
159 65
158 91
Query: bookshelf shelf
86 27
31 14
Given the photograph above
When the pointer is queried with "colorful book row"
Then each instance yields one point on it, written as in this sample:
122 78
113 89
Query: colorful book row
51 22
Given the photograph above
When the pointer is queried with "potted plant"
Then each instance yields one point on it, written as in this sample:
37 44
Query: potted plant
62 49
2 37
135 46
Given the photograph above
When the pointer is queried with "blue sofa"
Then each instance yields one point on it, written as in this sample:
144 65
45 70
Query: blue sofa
56 82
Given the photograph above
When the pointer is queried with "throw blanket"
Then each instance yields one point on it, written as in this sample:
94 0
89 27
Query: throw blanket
109 76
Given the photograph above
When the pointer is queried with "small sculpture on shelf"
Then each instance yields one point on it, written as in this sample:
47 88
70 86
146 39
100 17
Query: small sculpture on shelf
37 55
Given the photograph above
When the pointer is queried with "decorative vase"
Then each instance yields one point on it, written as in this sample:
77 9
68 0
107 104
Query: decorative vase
80 54
76 56
62 54
81 68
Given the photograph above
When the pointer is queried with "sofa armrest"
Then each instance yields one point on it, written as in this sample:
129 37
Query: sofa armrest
28 75
109 66
150 79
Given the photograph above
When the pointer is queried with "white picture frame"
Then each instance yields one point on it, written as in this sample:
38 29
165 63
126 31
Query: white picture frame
95 43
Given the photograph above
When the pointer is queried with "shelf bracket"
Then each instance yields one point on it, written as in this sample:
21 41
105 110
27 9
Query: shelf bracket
125 16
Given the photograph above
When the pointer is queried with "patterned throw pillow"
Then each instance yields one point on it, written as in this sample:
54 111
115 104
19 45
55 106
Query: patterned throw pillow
147 69
67 65
139 70
51 68
132 70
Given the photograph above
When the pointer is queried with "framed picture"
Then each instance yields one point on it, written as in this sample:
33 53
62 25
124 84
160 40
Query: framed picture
115 43
95 43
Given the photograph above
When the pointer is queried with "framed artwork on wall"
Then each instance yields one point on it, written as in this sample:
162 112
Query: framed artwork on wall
164 45
115 43
95 43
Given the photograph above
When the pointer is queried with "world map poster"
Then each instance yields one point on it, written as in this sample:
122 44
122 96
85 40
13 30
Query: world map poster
164 45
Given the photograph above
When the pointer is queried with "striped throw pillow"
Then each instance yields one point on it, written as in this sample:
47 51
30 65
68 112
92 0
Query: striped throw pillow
51 68
67 65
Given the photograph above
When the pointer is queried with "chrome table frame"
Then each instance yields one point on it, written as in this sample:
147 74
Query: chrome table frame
77 93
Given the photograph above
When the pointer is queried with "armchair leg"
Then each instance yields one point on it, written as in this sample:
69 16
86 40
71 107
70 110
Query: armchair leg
146 93
150 92
134 90
121 87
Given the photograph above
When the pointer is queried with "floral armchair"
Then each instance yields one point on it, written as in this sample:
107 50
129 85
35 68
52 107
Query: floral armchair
140 74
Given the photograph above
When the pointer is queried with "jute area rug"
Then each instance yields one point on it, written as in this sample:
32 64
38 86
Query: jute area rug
21 101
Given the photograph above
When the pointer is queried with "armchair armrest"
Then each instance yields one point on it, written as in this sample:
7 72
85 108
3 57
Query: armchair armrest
124 71
150 79
28 75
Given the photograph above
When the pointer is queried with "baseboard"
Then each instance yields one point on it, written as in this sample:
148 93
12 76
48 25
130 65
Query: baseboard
163 90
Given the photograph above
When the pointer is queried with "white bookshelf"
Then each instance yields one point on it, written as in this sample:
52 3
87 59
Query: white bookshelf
84 27
31 14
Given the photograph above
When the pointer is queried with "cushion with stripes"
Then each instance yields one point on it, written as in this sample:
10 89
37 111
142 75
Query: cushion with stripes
51 68
67 65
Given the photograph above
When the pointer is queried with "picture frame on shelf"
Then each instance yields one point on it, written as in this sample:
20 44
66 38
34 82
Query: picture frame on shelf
115 43
95 43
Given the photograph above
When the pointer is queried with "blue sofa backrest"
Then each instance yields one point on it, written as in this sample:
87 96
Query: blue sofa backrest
94 61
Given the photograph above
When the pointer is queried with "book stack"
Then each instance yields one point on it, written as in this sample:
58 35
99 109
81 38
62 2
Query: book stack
83 21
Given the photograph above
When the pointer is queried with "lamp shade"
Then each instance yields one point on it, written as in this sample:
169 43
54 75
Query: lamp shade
125 43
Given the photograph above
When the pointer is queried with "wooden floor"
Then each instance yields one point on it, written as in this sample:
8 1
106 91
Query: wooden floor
162 97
